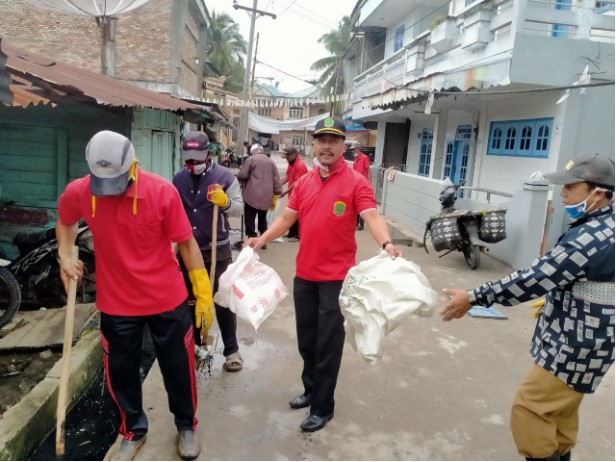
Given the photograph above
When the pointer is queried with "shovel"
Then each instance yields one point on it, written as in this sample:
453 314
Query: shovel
66 357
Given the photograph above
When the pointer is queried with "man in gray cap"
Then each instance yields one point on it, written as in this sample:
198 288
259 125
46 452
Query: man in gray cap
134 217
573 343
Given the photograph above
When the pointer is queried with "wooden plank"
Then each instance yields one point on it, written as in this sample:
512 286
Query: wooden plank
44 329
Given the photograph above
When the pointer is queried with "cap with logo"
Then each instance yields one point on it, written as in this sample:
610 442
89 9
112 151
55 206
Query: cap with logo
109 156
330 125
290 150
592 168
196 146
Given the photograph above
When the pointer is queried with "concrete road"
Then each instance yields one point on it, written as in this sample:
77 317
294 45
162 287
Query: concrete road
442 392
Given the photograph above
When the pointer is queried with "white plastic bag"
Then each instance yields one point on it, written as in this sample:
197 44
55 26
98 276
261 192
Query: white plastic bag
249 288
377 296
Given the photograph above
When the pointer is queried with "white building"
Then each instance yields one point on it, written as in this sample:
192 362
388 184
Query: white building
469 89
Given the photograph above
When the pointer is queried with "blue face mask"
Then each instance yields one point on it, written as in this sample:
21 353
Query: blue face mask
577 210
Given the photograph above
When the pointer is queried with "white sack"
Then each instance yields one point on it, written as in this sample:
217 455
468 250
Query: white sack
377 296
249 288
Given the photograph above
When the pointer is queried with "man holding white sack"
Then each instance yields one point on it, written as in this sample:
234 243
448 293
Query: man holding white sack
327 201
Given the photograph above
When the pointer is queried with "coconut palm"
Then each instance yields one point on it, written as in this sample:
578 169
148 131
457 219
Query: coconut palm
336 42
226 50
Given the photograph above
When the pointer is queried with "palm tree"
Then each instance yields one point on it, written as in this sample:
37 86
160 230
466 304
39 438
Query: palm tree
226 50
336 42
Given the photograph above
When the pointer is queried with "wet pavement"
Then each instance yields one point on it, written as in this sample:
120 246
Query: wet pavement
442 391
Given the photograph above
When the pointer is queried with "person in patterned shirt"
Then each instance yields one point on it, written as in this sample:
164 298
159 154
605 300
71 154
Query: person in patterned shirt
573 342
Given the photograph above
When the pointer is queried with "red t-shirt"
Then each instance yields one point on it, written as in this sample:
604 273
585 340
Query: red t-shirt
137 273
295 171
361 164
328 215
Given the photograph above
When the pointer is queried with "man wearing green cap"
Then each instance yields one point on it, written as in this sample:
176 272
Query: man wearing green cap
327 202
573 343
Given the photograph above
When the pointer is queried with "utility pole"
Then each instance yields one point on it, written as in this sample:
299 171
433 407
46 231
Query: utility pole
254 65
241 134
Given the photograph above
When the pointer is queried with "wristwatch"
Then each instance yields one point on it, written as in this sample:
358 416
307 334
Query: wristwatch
385 244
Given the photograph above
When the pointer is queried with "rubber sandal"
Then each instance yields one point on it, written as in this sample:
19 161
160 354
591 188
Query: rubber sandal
233 363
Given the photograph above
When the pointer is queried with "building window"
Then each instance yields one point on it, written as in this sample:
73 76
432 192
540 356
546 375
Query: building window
265 111
399 38
425 152
463 132
468 2
520 138
298 140
448 159
296 113
602 7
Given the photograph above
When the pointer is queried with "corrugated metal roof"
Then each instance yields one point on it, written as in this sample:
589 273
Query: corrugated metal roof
24 98
56 81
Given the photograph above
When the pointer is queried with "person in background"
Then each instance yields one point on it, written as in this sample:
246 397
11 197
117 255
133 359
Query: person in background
296 169
327 201
202 184
134 216
573 343
261 189
361 164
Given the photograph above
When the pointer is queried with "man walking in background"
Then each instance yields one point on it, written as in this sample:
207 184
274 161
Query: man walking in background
573 343
261 189
134 217
327 200
202 184
296 169
361 164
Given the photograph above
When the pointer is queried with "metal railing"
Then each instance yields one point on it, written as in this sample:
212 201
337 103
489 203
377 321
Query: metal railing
488 192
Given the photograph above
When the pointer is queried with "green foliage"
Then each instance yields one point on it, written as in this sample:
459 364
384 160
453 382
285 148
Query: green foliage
435 22
226 50
335 42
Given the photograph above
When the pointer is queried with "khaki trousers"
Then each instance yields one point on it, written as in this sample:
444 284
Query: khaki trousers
544 415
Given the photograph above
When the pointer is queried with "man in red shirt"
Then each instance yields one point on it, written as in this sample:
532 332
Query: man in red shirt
134 217
296 169
361 164
327 201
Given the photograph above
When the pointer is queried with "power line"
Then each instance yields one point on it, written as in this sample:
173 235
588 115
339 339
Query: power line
286 73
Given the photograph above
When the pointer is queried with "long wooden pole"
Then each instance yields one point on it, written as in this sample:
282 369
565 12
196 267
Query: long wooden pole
214 245
66 359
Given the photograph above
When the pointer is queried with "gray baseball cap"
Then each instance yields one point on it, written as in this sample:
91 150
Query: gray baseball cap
592 168
109 156
196 146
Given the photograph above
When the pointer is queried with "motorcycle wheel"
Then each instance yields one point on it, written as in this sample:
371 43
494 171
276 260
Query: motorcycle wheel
471 256
10 296
226 163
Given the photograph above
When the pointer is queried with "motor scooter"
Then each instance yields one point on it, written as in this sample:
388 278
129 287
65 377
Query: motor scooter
463 230
231 159
33 278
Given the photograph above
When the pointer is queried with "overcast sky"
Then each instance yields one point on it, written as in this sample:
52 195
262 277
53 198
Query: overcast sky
289 42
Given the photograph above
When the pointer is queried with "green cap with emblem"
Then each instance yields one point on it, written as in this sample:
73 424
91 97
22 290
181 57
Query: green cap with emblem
331 126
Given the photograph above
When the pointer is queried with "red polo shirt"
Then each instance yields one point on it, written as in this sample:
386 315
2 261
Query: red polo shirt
362 164
137 273
328 215
295 171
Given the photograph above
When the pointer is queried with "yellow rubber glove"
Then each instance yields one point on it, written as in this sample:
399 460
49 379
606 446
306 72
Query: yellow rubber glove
538 304
273 206
217 196
202 290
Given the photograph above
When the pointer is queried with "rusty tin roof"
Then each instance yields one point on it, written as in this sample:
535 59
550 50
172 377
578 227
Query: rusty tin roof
59 82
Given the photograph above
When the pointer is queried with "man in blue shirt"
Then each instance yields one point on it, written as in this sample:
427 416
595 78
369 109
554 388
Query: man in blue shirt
573 342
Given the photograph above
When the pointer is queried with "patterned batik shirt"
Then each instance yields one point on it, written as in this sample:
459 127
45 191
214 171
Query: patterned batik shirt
574 335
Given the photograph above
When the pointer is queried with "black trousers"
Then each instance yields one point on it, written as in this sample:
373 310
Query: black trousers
320 338
171 333
226 319
294 230
250 214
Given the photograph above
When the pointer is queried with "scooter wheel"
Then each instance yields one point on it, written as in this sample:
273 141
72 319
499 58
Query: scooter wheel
10 296
472 255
